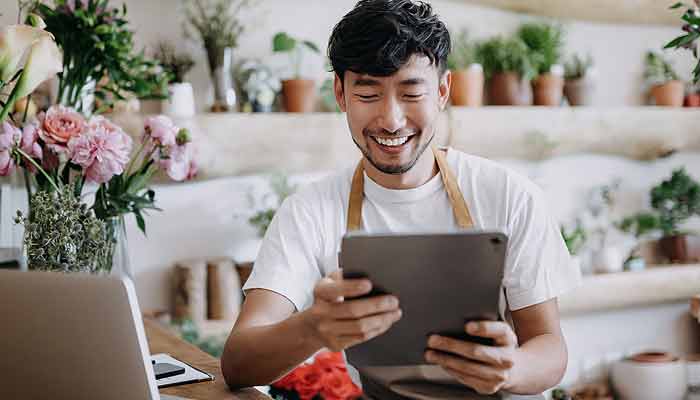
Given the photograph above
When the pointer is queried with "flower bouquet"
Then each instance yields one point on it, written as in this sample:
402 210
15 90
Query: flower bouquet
64 154
325 379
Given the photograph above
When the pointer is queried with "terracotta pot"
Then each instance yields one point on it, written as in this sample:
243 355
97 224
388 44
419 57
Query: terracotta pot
468 87
298 95
548 90
692 100
681 248
669 94
579 92
509 89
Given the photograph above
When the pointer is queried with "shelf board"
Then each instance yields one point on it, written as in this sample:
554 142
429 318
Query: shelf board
657 284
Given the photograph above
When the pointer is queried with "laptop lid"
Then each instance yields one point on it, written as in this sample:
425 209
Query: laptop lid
72 336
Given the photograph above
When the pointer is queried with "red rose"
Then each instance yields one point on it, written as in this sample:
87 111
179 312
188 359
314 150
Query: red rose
286 382
330 361
308 381
337 385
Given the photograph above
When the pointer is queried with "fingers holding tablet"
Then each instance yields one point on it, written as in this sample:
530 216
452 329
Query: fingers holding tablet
343 315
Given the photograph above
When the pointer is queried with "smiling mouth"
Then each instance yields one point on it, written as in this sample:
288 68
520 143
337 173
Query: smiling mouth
392 142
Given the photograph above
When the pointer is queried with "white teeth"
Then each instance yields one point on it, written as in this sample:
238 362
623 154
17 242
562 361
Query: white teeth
391 142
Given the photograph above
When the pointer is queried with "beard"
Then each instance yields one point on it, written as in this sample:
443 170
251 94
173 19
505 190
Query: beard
389 168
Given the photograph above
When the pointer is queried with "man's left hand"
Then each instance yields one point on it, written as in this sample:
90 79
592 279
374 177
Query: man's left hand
486 369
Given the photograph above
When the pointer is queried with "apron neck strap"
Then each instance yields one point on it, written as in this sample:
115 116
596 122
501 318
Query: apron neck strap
459 205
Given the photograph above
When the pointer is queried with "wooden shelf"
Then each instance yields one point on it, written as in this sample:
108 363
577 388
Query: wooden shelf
657 284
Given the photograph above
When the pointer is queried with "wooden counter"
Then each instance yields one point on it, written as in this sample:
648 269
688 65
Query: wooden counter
160 340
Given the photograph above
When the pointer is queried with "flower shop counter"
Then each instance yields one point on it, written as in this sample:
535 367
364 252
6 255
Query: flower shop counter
160 340
658 284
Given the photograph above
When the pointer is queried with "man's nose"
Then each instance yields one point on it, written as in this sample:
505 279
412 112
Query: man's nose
392 117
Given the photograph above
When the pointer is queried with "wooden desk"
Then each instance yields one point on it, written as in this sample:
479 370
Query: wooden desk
160 340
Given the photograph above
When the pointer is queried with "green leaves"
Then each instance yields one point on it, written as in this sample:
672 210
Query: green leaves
657 69
464 52
676 199
97 44
283 42
545 42
500 54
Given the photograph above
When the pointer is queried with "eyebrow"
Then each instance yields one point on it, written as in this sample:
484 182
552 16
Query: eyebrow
373 82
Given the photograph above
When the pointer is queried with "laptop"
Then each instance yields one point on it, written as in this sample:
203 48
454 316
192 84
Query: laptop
72 336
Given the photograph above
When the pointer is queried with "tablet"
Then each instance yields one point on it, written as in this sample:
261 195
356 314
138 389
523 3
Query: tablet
442 280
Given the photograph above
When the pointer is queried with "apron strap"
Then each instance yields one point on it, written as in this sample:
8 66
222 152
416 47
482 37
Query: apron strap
459 205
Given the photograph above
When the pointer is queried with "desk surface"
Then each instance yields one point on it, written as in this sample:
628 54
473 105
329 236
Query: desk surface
160 340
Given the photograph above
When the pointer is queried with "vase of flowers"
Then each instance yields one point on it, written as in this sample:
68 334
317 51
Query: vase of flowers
324 379
259 85
217 28
180 102
111 71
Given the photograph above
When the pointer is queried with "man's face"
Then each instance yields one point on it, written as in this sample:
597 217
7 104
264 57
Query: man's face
392 119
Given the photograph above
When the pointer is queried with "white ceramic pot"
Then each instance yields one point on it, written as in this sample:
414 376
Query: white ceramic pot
181 101
634 380
608 260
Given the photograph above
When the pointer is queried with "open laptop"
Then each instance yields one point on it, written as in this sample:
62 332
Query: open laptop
72 337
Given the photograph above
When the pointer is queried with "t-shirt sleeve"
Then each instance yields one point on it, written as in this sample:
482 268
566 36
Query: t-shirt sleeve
287 261
538 265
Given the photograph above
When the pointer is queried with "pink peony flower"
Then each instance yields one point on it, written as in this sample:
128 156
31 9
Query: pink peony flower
59 125
177 161
162 130
29 143
101 151
9 137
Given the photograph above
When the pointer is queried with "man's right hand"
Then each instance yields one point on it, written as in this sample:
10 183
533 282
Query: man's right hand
338 322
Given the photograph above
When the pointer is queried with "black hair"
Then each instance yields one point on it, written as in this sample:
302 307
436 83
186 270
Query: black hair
379 36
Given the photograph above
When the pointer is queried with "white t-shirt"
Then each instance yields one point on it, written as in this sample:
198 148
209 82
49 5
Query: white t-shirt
302 242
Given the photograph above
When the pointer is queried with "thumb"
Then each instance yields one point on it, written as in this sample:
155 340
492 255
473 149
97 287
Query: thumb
336 275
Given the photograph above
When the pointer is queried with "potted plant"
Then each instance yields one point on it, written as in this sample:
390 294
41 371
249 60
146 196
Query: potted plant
673 201
218 27
508 70
692 96
298 93
467 73
180 102
545 42
259 86
666 87
578 82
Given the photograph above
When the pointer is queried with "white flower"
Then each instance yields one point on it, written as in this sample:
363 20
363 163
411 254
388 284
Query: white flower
44 61
15 41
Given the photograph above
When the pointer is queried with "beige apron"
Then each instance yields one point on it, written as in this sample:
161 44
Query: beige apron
459 206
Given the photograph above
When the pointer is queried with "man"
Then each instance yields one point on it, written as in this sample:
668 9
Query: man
389 57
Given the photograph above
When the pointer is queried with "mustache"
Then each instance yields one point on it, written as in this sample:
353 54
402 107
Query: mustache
384 132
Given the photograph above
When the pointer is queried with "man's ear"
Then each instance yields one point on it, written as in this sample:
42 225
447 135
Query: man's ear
339 93
444 89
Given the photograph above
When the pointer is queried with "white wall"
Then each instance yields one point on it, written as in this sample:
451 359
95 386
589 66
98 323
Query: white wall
617 49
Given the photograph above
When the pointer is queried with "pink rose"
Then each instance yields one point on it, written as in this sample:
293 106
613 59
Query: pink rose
101 152
9 137
59 125
162 130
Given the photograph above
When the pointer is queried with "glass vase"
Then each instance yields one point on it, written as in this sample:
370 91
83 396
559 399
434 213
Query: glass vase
220 67
116 261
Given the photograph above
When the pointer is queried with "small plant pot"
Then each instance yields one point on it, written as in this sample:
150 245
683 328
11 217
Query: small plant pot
468 86
180 102
579 92
692 100
509 89
669 94
299 95
548 90
682 249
